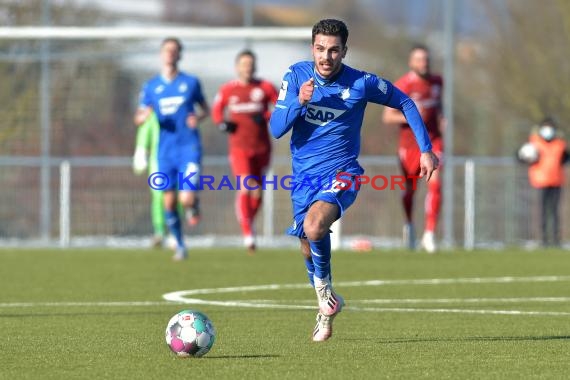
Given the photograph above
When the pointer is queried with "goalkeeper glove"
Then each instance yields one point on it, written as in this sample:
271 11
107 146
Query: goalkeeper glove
259 119
227 127
140 161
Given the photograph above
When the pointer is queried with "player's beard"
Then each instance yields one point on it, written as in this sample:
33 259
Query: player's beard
423 73
330 69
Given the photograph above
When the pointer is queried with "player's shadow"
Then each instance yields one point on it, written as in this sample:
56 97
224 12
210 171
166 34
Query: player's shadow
266 356
469 339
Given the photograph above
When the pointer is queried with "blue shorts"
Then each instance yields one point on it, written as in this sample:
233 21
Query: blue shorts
303 198
183 175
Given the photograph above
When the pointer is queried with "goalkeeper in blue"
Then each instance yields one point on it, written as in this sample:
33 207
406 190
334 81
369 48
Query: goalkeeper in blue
323 103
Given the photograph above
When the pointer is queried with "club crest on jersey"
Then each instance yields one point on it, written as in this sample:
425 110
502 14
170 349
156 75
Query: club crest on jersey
183 87
256 95
283 90
382 86
344 94
321 115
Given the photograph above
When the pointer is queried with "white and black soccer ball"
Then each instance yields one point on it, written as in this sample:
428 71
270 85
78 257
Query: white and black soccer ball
190 333
528 153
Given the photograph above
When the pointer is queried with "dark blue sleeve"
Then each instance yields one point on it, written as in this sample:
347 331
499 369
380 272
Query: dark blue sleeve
198 95
287 109
381 91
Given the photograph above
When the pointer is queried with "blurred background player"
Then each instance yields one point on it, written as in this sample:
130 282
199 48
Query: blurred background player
425 89
145 157
247 101
546 173
323 103
172 95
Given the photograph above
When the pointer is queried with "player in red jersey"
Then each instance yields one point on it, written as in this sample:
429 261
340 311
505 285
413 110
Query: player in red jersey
241 108
425 89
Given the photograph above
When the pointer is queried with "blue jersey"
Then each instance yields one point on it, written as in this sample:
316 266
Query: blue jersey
326 132
173 101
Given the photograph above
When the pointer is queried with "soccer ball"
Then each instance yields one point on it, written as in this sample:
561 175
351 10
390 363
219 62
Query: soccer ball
190 333
528 153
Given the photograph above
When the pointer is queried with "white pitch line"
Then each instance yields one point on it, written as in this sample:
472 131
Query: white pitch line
463 311
346 284
447 281
262 303
427 301
464 300
179 297
250 304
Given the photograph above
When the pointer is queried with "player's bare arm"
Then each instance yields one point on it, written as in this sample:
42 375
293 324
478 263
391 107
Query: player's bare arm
428 164
141 115
205 111
393 116
194 119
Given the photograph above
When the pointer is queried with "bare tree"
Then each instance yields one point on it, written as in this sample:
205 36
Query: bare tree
527 57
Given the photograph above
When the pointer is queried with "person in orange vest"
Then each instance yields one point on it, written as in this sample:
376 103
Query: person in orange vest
547 175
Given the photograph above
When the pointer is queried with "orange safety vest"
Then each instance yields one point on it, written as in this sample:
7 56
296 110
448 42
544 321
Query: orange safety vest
548 171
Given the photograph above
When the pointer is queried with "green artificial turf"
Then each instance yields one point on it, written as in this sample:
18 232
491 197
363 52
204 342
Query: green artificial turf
99 314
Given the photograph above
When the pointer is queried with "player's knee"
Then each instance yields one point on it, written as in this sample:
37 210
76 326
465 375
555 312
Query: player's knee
315 228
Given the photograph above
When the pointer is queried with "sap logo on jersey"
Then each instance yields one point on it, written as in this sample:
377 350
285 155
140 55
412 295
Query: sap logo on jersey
321 115
170 105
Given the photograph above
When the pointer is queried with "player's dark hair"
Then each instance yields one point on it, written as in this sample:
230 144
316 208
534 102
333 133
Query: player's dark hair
172 39
419 47
245 52
331 27
549 120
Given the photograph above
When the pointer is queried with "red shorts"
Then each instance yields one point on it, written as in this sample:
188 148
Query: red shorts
245 162
410 156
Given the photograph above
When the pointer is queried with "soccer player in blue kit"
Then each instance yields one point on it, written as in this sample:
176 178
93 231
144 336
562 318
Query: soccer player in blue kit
172 95
323 102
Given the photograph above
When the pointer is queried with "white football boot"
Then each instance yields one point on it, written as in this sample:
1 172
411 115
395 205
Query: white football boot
323 328
180 255
330 304
249 244
428 242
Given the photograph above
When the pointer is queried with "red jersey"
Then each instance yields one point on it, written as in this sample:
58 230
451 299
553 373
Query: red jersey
248 107
426 94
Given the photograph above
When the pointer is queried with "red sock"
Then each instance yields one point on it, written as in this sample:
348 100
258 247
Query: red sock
432 204
254 204
244 213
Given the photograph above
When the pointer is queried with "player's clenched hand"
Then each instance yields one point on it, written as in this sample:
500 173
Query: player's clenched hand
142 114
428 164
306 91
192 121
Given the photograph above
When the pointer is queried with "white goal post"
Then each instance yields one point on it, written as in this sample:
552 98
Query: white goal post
196 33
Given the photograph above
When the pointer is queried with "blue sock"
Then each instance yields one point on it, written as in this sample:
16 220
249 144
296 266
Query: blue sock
321 254
173 223
310 270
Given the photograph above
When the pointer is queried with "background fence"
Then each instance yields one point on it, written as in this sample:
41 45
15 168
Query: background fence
98 201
